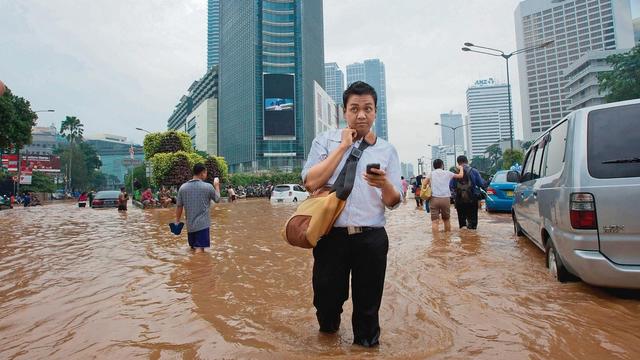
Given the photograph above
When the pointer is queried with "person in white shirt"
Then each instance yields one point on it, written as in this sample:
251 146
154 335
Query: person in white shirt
440 204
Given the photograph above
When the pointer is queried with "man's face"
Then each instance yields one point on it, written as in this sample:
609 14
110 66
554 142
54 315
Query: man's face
360 113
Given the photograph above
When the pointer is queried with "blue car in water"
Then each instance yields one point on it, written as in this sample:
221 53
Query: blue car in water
500 192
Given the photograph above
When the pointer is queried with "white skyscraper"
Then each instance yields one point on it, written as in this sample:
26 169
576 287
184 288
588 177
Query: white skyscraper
488 115
576 27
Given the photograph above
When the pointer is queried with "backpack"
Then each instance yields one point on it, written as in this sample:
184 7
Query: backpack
464 189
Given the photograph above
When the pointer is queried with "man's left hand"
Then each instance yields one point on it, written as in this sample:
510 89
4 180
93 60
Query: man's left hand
377 178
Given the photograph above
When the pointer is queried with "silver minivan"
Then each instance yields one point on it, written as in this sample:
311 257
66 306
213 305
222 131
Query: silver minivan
578 196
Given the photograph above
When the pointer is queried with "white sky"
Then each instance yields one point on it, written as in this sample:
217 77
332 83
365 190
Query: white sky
123 64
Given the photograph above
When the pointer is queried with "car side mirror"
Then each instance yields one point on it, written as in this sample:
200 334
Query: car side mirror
513 176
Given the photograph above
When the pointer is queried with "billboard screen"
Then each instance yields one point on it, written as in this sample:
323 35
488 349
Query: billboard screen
279 105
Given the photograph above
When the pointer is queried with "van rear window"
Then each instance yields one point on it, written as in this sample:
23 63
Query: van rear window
613 142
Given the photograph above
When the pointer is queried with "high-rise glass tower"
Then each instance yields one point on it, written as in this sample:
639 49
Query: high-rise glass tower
453 120
488 109
271 52
334 81
213 33
373 73
576 27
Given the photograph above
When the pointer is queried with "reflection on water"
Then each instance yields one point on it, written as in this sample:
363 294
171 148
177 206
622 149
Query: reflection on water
80 283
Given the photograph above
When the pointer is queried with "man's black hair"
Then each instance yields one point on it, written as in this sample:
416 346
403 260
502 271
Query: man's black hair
359 88
438 164
198 168
462 160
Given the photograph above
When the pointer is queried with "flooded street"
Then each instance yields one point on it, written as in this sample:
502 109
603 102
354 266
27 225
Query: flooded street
84 283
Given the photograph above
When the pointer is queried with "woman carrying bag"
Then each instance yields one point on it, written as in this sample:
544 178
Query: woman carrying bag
439 203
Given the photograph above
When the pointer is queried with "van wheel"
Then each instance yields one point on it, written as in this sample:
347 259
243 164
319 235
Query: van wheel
295 199
555 265
516 227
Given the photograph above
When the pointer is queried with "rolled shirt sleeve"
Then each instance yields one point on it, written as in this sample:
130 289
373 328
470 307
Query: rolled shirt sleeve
215 195
179 198
319 151
394 174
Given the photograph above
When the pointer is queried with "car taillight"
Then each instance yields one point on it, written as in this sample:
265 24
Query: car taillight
583 211
491 191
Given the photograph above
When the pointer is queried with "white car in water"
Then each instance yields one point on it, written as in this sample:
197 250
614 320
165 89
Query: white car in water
286 193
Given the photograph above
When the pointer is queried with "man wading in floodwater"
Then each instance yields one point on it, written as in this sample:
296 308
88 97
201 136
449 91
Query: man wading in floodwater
195 197
358 243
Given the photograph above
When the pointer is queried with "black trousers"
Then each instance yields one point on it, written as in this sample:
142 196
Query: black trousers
363 255
467 215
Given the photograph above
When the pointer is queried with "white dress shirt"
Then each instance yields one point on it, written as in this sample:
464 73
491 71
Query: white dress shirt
364 206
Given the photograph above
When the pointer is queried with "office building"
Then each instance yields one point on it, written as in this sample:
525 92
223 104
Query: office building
447 153
372 72
451 120
407 170
43 141
271 52
213 33
334 81
326 114
112 151
488 115
576 27
582 88
636 30
197 113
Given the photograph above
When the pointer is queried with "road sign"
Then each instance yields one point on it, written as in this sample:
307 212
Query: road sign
131 162
25 179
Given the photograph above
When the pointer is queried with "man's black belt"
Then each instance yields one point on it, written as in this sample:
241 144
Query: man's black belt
352 230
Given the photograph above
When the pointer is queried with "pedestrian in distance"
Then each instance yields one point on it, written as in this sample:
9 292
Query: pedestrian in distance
123 198
357 245
195 197
439 204
405 188
467 194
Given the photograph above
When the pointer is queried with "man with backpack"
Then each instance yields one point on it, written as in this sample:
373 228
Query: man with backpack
467 193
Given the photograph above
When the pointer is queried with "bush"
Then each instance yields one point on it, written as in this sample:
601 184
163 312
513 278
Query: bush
166 142
173 168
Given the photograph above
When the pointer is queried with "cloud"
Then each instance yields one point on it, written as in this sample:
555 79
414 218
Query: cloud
121 64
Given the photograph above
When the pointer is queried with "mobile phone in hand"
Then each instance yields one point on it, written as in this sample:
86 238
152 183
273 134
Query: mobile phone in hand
372 166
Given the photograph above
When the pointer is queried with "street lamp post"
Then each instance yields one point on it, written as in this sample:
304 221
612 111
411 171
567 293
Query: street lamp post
141 129
453 128
495 52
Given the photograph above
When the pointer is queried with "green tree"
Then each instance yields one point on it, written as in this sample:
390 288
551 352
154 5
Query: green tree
481 163
623 81
495 154
140 173
16 121
526 145
72 129
511 157
40 182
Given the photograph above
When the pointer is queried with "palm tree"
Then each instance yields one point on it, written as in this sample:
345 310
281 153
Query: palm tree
495 153
72 129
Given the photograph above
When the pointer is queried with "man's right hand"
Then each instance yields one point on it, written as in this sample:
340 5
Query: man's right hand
348 135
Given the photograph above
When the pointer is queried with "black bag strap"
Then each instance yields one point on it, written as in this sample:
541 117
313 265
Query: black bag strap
346 179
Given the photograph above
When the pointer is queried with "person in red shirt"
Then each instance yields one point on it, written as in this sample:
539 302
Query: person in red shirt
82 200
147 198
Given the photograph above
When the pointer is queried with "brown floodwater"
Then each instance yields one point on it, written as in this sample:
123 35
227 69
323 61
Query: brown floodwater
84 283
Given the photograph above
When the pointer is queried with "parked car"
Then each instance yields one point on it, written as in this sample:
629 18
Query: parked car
288 193
578 195
106 199
500 192
58 195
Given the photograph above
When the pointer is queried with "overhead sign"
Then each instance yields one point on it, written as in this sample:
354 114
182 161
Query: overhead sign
131 162
484 82
41 163
25 179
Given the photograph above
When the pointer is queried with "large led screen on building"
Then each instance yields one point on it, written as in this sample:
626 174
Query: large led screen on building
279 109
